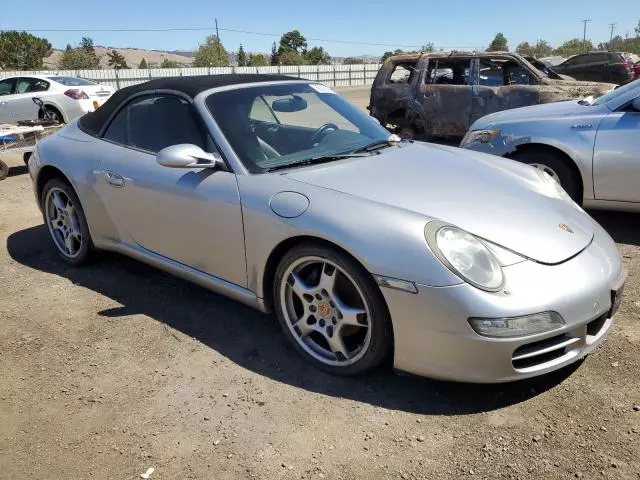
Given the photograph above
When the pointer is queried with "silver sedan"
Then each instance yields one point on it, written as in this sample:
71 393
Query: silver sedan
591 147
280 194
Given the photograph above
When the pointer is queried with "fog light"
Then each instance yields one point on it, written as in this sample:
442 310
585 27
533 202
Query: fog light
517 326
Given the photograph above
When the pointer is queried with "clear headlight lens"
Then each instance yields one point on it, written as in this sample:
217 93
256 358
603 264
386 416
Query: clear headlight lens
481 136
466 256
517 326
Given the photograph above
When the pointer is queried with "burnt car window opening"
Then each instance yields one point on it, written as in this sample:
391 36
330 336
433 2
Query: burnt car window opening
402 73
501 72
450 71
154 122
272 126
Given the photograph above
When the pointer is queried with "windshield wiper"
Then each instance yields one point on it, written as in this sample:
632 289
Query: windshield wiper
314 161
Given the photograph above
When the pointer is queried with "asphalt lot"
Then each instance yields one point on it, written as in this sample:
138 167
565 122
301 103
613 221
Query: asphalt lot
113 368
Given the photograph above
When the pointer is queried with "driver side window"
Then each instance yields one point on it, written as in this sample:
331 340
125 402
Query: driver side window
153 122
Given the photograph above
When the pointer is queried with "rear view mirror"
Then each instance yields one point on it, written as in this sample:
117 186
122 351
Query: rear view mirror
636 104
289 105
186 155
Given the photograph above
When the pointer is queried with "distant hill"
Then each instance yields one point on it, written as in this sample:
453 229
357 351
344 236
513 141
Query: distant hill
132 55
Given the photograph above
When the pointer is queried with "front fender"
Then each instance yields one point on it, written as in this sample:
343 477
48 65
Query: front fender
386 240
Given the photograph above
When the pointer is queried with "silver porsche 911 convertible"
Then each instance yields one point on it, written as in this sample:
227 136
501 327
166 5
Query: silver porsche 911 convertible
278 193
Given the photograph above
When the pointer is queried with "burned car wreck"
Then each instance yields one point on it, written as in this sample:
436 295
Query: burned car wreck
442 94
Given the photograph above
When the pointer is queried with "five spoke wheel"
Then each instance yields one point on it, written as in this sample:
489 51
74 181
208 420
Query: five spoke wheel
325 311
65 220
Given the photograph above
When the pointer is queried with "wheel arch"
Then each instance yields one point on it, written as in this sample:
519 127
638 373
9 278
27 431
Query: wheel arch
561 154
54 105
286 245
46 173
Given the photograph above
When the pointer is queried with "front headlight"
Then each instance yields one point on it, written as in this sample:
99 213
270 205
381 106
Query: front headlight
481 136
465 255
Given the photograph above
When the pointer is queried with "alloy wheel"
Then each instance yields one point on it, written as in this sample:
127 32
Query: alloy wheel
63 223
548 170
325 311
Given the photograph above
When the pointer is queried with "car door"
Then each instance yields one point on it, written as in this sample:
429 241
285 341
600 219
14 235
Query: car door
22 104
191 216
576 67
616 162
502 83
445 95
7 91
392 90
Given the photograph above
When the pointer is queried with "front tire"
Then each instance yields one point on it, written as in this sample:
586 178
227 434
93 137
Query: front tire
556 167
331 310
66 222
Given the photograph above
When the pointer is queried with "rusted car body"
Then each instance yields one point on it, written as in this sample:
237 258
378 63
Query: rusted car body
441 94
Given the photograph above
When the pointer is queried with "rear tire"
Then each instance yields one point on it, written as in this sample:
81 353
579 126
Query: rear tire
66 222
54 112
4 170
556 167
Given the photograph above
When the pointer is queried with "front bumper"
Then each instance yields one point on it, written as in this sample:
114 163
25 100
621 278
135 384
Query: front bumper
433 337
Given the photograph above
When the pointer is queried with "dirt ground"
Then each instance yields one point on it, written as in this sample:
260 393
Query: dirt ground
110 369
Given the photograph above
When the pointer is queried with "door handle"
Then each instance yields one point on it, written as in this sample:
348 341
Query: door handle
112 178
3 103
582 126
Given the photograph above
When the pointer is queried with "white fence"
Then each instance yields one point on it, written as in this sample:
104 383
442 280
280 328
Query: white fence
332 75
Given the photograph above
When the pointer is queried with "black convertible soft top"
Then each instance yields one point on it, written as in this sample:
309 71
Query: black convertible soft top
93 122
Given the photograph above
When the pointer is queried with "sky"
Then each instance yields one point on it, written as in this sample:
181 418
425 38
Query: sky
461 24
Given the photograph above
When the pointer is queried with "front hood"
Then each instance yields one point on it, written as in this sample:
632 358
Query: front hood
491 197
540 113
545 110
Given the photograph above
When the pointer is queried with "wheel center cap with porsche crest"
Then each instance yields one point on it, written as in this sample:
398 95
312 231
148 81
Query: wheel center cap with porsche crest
324 309
566 228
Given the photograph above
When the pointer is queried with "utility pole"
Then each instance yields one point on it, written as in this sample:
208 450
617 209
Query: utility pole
612 25
584 34
218 38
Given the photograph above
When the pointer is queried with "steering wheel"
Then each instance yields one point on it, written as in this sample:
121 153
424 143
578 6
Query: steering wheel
322 131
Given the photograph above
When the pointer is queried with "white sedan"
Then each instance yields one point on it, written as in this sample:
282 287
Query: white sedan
64 96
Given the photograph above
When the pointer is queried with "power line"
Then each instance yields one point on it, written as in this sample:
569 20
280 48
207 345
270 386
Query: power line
210 29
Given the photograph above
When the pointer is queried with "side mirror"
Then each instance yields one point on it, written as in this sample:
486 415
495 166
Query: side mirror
289 105
636 104
186 155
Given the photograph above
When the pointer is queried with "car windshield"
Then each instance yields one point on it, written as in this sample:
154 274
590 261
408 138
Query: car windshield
274 126
72 81
618 92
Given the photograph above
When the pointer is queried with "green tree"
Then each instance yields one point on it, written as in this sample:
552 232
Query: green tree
257 60
22 51
427 47
117 60
86 44
211 54
242 57
543 49
352 61
290 58
498 44
274 54
143 63
637 29
573 47
390 54
166 63
317 56
525 49
77 59
292 41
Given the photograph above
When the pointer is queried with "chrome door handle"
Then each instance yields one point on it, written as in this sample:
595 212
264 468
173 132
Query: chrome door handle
3 103
582 126
112 178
